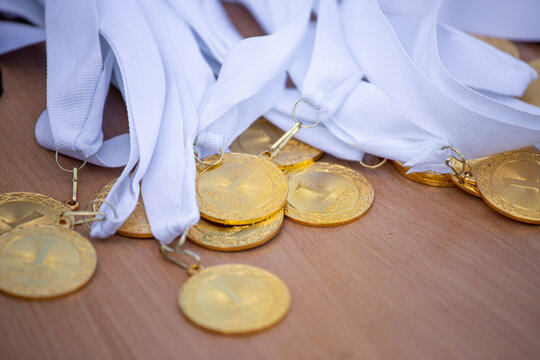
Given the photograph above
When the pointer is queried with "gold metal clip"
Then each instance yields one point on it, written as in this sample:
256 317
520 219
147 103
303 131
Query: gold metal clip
285 138
173 254
73 204
466 170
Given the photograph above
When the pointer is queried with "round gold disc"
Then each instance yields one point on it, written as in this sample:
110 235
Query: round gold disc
242 189
233 238
234 299
44 261
262 134
532 94
430 178
468 183
501 44
24 208
510 184
136 225
327 195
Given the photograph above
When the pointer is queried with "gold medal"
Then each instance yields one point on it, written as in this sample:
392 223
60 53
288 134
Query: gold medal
44 261
233 238
327 195
242 189
510 184
430 178
136 225
466 182
501 44
234 299
262 134
532 94
24 208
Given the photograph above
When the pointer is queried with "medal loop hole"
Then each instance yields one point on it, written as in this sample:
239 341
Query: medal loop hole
63 168
298 121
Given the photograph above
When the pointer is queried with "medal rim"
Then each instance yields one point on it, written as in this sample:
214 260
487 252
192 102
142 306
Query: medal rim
123 230
248 246
263 123
425 178
245 221
6 238
291 215
46 200
229 331
482 182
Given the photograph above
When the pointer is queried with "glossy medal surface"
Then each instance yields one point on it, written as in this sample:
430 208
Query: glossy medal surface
510 184
430 178
136 225
242 189
234 299
327 195
237 237
532 94
44 261
25 208
467 183
262 134
501 44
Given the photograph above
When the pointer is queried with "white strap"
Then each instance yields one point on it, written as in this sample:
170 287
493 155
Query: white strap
168 186
15 35
440 104
31 10
251 79
125 29
516 19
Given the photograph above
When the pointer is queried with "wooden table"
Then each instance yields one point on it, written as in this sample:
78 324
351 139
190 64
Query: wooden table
428 273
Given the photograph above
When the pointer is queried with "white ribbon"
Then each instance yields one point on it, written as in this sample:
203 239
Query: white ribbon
15 35
428 95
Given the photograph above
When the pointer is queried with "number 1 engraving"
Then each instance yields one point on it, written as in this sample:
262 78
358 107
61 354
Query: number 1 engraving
41 254
34 215
323 193
527 184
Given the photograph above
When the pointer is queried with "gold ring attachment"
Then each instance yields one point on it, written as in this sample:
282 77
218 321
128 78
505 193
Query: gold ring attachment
465 171
169 253
298 121
63 168
205 162
372 167
98 215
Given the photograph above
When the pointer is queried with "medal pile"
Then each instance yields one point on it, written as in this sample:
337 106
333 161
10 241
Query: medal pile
41 256
211 88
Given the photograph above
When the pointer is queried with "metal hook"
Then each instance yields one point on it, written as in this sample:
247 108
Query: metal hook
63 168
298 121
208 163
171 254
373 166
465 168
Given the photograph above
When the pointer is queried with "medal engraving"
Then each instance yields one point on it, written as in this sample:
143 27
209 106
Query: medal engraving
25 209
327 195
262 134
44 261
510 184
243 189
234 299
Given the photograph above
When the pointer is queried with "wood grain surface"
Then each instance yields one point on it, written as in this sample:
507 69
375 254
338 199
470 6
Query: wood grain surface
428 273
